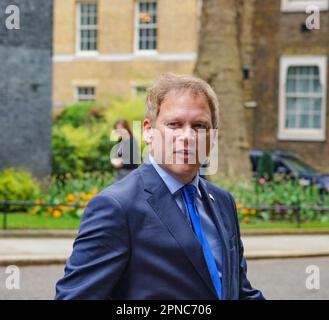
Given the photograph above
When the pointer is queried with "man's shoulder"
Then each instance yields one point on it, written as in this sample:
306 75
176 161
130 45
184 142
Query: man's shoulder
124 188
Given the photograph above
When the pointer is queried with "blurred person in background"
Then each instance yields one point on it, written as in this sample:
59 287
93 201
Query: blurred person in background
127 155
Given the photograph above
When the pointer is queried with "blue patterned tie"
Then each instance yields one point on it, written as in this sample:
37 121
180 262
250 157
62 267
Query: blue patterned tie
190 192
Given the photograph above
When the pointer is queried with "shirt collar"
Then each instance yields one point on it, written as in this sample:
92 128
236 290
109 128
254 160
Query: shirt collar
171 182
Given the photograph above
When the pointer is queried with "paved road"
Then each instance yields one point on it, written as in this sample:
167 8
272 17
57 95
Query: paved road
278 279
54 250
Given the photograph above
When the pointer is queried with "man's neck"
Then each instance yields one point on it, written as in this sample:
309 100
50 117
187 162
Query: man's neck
182 179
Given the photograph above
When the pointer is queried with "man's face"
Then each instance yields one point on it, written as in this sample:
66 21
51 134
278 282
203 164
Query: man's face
179 139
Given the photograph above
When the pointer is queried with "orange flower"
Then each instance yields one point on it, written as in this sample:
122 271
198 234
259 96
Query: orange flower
246 220
57 214
245 211
253 211
88 197
238 205
70 198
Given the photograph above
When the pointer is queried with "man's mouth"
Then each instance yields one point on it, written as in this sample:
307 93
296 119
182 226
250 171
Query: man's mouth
185 152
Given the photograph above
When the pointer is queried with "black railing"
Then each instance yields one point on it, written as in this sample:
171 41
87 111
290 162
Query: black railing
5 204
286 208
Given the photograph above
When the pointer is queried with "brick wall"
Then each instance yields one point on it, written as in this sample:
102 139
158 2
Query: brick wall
276 34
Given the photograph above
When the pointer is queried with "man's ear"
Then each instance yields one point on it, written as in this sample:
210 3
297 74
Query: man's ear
147 132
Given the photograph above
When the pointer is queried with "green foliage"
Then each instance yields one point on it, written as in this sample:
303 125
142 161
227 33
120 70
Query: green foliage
79 114
18 184
265 168
129 109
82 149
278 192
64 157
74 190
82 135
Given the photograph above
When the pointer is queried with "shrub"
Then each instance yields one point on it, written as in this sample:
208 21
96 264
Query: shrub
81 135
79 114
82 149
18 184
64 157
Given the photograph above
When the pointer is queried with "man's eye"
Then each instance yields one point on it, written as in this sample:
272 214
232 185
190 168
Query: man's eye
173 125
200 126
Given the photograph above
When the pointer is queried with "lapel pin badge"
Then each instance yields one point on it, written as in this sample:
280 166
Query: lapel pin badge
211 197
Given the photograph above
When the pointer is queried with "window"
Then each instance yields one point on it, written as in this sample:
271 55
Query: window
301 5
86 94
302 100
146 31
87 27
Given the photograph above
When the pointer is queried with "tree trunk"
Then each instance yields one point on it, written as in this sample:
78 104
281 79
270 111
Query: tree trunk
219 63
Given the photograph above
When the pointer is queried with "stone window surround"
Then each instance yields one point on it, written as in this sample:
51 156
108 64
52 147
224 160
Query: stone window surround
301 5
301 134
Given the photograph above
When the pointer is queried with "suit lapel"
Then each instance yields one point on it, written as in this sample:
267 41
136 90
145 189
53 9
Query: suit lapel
216 212
173 218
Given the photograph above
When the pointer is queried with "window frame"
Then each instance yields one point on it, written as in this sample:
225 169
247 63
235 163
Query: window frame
86 87
78 30
301 5
301 134
138 51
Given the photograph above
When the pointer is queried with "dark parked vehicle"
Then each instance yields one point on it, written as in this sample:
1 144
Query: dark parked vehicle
291 165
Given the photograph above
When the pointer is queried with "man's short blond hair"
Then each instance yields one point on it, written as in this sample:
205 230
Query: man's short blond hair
170 81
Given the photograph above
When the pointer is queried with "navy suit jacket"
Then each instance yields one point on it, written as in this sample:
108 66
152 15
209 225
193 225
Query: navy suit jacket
135 243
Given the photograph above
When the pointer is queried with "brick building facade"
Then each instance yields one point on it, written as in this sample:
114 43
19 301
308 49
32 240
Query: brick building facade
117 62
117 47
290 80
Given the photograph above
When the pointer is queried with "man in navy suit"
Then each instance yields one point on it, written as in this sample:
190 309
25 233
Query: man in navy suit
163 232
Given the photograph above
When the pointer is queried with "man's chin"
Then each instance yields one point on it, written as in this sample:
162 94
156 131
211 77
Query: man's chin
183 170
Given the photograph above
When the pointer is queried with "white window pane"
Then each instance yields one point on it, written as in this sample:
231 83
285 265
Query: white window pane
147 25
86 94
316 121
301 111
291 85
88 27
290 121
291 104
304 105
317 85
317 104
304 121
291 71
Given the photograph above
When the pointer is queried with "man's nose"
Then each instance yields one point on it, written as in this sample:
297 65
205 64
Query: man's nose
187 134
